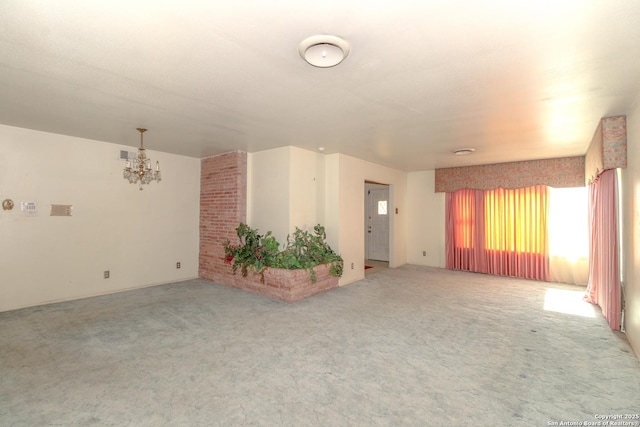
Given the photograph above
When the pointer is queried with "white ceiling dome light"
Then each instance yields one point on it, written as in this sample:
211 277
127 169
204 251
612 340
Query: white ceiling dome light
323 51
463 151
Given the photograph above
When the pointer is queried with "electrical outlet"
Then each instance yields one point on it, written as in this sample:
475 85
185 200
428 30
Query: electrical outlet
352 266
424 253
106 274
178 264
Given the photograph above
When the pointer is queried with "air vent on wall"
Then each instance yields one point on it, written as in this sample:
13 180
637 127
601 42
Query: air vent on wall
127 155
61 210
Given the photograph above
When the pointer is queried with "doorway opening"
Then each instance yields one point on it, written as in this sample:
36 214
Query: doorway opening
377 209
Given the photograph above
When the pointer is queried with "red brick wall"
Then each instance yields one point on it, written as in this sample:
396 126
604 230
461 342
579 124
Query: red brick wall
223 205
614 142
608 148
559 173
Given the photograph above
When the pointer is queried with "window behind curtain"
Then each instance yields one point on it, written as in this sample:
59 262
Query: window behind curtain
569 235
568 222
499 231
464 221
516 220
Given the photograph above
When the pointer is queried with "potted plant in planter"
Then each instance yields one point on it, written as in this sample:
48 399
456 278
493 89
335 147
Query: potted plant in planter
253 252
306 250
305 266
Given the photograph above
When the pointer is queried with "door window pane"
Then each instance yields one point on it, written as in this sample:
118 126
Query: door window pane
382 207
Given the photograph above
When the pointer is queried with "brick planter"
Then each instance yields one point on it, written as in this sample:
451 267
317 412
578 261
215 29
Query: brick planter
223 205
285 285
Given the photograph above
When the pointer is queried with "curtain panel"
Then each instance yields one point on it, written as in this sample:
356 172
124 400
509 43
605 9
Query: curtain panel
502 232
464 240
603 288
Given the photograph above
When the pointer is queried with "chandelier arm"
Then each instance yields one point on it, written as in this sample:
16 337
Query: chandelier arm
139 170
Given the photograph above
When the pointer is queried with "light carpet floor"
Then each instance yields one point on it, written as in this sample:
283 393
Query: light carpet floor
406 346
375 266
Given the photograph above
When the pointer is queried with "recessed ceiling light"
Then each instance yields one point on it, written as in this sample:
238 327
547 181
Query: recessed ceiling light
321 149
463 151
324 51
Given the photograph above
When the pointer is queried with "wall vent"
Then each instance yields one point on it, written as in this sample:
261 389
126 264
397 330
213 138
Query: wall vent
127 155
61 210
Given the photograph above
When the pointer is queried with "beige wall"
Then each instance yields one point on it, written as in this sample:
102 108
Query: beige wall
631 227
291 187
345 182
137 235
425 221
305 189
331 200
268 193
285 190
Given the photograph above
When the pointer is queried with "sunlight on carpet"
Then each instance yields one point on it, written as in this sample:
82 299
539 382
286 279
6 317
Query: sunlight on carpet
569 302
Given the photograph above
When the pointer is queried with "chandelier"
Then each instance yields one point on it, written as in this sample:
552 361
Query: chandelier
139 169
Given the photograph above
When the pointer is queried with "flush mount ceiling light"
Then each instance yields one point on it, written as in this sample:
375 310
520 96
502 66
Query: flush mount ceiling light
324 51
463 151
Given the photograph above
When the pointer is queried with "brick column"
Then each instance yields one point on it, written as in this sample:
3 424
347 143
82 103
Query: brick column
223 205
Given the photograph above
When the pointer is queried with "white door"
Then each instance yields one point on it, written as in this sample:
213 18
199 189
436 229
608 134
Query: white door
377 233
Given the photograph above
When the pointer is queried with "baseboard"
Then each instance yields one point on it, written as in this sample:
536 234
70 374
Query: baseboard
97 294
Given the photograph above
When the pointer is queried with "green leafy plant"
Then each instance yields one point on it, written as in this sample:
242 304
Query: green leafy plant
253 250
307 250
303 250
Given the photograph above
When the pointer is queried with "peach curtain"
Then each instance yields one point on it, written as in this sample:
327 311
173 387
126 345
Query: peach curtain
603 288
502 232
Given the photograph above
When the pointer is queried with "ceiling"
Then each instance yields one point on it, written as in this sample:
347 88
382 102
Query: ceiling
513 80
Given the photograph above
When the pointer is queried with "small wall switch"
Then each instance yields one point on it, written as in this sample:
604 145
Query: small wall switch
106 274
352 266
424 253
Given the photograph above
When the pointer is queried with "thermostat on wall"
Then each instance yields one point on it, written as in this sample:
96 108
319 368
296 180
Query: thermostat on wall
29 208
